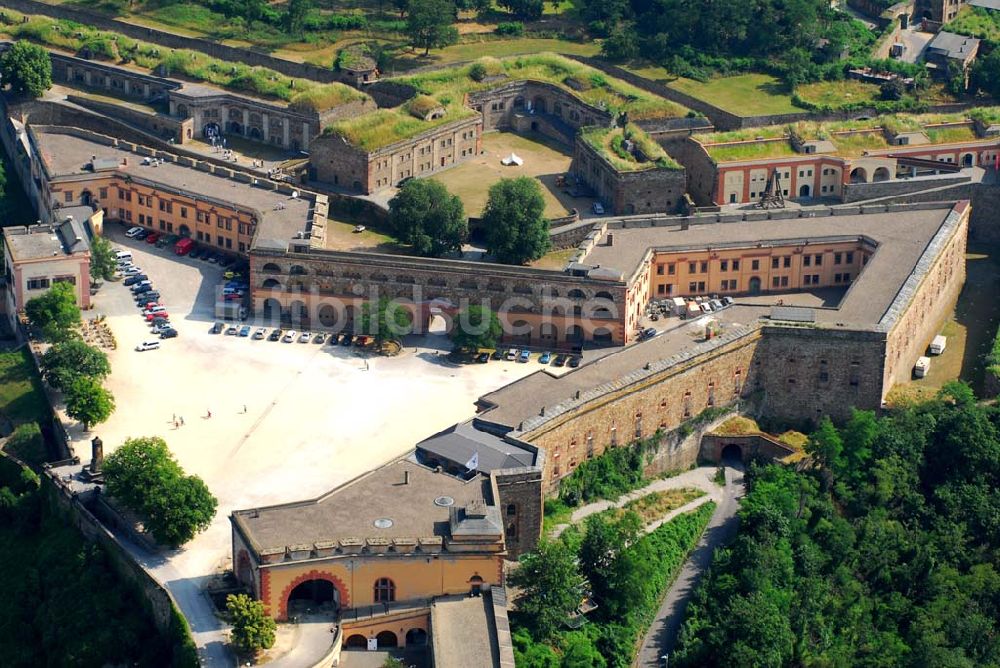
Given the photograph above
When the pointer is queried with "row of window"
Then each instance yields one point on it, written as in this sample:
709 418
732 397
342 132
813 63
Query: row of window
777 262
45 283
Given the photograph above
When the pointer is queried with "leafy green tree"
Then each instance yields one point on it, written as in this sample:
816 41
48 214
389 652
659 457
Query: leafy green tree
601 548
621 44
88 402
429 24
425 215
986 74
579 651
55 313
144 475
530 10
825 444
27 69
102 259
388 320
295 15
550 588
253 629
515 228
26 443
476 327
66 361
401 6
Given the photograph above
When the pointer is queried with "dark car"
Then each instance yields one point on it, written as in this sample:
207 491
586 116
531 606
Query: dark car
497 354
141 235
574 361
213 258
647 333
217 328
347 340
168 334
483 358
132 280
144 298
559 361
142 289
194 253
275 335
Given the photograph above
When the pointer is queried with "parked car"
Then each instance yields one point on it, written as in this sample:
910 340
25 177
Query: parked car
184 246
598 208
142 235
232 297
232 330
483 358
141 287
497 354
131 270
574 361
147 345
545 358
304 337
245 330
146 297
217 328
149 305
559 361
156 314
259 334
152 238
158 308
728 301
511 354
525 355
135 278
707 307
319 338
212 257
133 232
647 333
169 333
160 326
717 304
289 336
347 340
275 335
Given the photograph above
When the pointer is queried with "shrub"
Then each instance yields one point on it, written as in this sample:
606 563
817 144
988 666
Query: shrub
510 29
477 71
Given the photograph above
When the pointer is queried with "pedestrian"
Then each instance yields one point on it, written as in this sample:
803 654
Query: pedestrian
244 409
209 414
182 420
175 423
175 417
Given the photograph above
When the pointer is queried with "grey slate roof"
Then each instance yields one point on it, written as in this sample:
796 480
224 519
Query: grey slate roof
953 46
986 4
460 442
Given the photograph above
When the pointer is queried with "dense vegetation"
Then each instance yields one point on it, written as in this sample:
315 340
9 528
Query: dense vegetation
429 218
625 572
64 604
884 555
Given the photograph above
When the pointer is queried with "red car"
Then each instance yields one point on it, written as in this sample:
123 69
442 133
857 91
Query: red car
151 239
161 314
149 305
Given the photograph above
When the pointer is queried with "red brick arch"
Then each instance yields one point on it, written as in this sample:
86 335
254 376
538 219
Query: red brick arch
345 597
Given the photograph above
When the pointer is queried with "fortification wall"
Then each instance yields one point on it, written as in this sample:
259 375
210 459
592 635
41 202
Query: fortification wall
520 503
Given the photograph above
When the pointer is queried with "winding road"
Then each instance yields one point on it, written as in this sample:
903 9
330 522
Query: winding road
662 634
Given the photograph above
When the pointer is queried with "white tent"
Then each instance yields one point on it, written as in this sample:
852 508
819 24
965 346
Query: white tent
513 159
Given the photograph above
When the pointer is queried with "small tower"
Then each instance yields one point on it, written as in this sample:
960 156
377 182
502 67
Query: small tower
97 455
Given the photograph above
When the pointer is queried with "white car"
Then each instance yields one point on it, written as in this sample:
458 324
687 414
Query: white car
147 345
133 232
131 270
289 336
304 337
155 309
162 327
260 333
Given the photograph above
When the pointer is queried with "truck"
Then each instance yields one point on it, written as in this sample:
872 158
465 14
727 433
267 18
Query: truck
922 366
184 246
938 344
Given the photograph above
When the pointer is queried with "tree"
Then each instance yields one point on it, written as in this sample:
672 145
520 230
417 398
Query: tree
429 24
388 320
55 313
27 68
144 475
551 588
601 548
530 10
401 6
986 74
253 629
26 443
68 360
102 259
476 327
892 90
425 215
88 402
825 444
516 230
295 15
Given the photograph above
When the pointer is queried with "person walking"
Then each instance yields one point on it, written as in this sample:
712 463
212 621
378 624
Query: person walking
182 420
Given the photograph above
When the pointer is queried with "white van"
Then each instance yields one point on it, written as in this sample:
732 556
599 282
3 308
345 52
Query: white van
938 344
123 256
678 305
147 345
922 366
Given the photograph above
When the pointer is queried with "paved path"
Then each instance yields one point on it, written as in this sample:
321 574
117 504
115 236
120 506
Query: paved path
662 634
699 478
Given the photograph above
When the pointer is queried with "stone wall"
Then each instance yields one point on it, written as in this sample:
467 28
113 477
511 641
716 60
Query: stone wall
564 112
984 225
520 503
751 446
653 190
161 125
857 192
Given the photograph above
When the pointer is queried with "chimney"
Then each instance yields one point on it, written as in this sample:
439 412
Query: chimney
406 477
97 455
611 239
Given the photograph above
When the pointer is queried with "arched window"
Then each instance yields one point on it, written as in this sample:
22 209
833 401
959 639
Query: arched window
297 270
385 590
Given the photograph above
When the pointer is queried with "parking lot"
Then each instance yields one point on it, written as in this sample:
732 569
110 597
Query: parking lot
288 420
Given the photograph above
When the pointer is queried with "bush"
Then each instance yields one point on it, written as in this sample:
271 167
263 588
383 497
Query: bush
477 71
510 29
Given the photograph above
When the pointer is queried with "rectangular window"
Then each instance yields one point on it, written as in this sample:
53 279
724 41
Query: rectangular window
724 265
103 193
229 242
849 258
219 221
219 241
128 215
661 289
775 262
163 224
243 247
701 286
69 195
807 280
184 212
784 281
754 265
163 205
38 283
806 260
692 287
836 258
788 261
671 269
229 224
775 282
691 267
670 288
819 260
704 267
736 265
65 279
659 270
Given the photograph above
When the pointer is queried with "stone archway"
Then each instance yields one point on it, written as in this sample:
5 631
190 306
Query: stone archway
298 314
805 191
211 130
271 284
881 174
387 639
320 594
731 453
859 175
603 336
356 641
968 160
184 231
754 286
416 638
328 315
272 310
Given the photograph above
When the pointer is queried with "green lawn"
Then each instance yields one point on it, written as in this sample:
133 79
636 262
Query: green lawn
745 94
477 48
21 395
836 93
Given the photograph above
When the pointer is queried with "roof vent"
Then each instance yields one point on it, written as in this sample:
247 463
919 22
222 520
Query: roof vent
382 523
444 501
